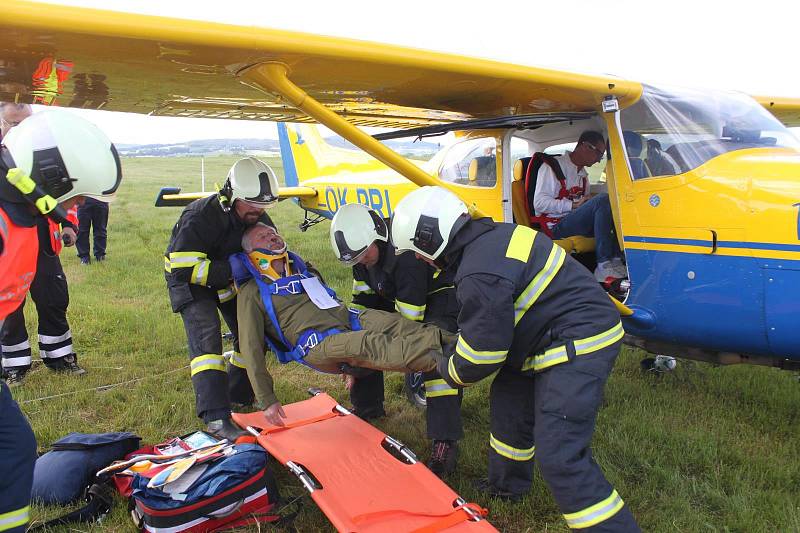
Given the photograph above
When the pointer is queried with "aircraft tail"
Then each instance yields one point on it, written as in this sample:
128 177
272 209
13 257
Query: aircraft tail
306 155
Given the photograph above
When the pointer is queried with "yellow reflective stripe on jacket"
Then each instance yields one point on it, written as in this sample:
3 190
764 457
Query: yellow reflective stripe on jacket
451 369
361 287
479 357
167 265
209 361
595 514
357 307
607 338
509 452
236 360
539 282
227 294
185 259
200 272
520 244
14 519
558 354
435 388
440 289
411 312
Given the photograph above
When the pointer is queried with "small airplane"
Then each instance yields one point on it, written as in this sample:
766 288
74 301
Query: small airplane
703 184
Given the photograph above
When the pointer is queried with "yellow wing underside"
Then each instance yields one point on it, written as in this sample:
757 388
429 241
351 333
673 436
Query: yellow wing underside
88 58
95 59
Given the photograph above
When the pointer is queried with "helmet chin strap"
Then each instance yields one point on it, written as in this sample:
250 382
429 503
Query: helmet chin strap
263 260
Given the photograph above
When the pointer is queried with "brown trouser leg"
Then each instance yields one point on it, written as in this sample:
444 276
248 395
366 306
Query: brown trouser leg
386 342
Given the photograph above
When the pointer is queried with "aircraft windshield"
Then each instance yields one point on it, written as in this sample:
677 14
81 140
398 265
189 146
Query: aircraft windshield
671 131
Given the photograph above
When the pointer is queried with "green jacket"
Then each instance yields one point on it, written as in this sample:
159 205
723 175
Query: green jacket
296 313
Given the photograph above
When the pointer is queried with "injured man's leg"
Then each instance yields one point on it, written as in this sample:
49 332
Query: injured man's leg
387 341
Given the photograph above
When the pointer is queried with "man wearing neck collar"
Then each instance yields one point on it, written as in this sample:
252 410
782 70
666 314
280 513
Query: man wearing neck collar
282 306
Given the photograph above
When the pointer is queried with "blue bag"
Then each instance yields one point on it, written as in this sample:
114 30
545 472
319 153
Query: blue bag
62 475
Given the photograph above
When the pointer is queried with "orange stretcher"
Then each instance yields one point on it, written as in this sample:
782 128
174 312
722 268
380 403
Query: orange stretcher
362 479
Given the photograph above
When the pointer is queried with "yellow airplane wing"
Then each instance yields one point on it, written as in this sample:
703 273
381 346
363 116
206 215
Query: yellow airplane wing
787 110
97 59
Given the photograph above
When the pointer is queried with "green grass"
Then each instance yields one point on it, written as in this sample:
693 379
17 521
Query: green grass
704 449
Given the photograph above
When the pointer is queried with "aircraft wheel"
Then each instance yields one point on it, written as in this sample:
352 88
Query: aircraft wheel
414 389
659 364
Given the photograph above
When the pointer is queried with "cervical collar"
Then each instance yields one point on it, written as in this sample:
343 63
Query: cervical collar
262 259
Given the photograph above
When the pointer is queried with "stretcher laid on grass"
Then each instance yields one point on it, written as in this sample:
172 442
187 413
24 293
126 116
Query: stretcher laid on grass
362 479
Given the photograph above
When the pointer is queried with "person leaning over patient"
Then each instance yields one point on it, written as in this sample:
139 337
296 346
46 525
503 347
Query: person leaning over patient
281 306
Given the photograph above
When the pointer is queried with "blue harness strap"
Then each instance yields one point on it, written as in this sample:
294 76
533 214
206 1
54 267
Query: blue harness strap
285 286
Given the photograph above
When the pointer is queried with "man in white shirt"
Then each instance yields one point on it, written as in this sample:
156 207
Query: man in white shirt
562 202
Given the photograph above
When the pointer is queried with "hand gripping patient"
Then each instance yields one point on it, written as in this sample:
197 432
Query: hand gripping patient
283 307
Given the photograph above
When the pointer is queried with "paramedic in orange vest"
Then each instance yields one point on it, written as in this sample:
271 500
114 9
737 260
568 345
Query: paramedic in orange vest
49 291
47 164
562 200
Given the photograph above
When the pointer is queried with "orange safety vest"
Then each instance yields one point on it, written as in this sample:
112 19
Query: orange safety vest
17 263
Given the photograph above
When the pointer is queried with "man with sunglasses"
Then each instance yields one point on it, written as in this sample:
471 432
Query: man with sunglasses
199 281
561 200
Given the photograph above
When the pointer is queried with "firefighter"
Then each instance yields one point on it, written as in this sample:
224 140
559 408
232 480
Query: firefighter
199 282
539 319
47 164
49 291
419 292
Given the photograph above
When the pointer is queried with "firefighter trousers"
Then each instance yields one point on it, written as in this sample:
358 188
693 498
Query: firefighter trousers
386 341
551 416
17 457
50 294
216 383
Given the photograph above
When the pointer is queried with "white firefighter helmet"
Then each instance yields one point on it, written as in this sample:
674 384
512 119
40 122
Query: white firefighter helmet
66 155
252 180
353 229
424 221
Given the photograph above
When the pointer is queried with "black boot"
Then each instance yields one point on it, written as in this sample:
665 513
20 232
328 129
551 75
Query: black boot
70 366
483 486
225 429
14 376
444 455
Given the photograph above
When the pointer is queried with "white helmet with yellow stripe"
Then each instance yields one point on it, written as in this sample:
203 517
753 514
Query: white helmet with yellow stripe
353 229
64 155
425 220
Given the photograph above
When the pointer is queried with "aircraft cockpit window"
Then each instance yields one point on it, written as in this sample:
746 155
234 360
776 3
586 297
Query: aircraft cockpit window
671 131
472 163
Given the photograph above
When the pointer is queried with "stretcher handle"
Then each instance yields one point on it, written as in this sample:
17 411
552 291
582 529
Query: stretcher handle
305 478
475 516
316 391
401 448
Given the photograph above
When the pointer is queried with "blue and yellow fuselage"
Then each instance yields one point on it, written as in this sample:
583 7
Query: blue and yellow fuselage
714 253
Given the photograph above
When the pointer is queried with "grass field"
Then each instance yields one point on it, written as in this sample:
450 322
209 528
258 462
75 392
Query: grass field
703 449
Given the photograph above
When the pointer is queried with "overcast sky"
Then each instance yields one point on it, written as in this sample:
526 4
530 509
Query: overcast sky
747 46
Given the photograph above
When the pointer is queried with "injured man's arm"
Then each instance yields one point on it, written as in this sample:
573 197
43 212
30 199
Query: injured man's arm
281 304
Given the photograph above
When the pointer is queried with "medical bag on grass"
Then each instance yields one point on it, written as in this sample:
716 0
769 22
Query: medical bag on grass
208 488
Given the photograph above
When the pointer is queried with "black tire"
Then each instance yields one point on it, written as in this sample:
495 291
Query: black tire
414 389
